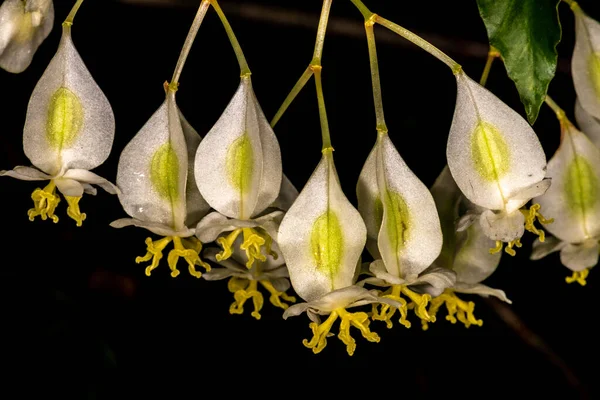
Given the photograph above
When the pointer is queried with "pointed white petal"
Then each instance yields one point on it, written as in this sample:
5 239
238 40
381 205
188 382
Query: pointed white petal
26 174
69 122
238 163
482 290
351 296
24 25
152 170
322 235
85 176
492 151
69 187
379 271
196 206
287 195
502 226
577 257
585 63
473 262
369 201
573 199
212 225
549 245
434 281
587 124
157 228
89 189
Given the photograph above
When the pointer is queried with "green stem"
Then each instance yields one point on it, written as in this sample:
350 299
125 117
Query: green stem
560 113
381 127
316 62
322 111
573 4
189 40
408 35
71 16
492 54
244 69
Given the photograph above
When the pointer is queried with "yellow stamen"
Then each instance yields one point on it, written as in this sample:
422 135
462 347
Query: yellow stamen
188 249
73 209
44 202
457 309
254 240
418 303
531 216
320 332
277 296
498 247
579 277
509 247
246 289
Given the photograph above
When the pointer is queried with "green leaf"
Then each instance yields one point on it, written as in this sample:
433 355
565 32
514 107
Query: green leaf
526 33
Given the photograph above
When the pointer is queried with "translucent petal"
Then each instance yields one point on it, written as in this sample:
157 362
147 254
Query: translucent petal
410 236
549 245
492 151
573 199
153 167
473 262
578 257
585 63
238 164
196 206
501 226
369 202
154 227
24 25
26 174
481 290
347 297
85 176
69 122
587 124
322 235
69 187
287 195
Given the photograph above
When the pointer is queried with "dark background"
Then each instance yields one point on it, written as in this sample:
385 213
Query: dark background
80 311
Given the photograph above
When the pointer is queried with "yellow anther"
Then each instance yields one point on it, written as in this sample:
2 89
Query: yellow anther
244 292
189 254
226 243
254 240
579 277
277 296
509 247
531 216
421 301
418 303
320 332
498 247
44 202
457 308
73 209
188 249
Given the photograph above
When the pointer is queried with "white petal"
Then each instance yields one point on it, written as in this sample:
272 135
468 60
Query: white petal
492 151
157 228
347 297
573 200
196 206
287 195
377 268
85 176
89 189
238 164
369 202
502 226
522 196
69 187
69 122
473 262
26 174
482 290
24 25
322 235
231 263
549 245
577 257
434 281
587 124
152 170
585 63
211 226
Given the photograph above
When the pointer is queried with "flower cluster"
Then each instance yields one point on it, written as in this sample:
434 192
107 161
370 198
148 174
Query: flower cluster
427 245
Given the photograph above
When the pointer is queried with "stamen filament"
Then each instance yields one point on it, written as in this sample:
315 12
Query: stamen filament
188 249
44 203
456 307
73 210
246 290
579 277
418 303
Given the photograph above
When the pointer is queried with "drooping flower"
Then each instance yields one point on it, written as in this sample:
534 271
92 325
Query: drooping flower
69 130
24 25
585 63
238 171
497 162
464 252
403 229
587 124
322 237
158 189
574 201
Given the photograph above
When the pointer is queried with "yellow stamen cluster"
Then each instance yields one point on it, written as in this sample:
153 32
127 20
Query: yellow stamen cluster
254 240
509 247
189 249
45 201
418 302
245 289
579 277
359 320
457 309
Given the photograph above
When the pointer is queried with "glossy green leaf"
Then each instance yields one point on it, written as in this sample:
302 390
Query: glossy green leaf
526 33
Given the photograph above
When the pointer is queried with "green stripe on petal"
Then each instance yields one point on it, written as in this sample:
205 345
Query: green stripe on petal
65 119
581 185
490 152
594 71
164 172
327 243
240 163
397 220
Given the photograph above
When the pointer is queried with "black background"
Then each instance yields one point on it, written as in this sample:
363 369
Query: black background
79 310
